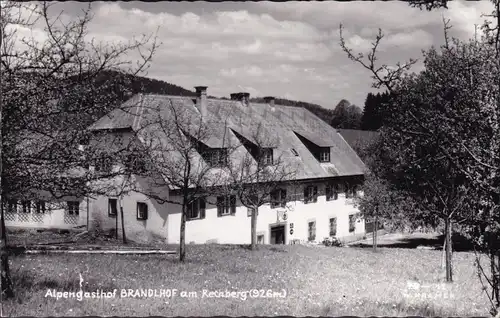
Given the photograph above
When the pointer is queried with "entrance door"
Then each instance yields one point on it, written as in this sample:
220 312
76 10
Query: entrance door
278 234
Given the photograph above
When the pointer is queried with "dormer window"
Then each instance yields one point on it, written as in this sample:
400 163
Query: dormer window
217 157
324 155
319 147
266 156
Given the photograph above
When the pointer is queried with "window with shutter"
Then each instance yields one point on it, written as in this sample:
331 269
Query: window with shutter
331 192
196 209
226 205
310 194
40 207
278 198
192 210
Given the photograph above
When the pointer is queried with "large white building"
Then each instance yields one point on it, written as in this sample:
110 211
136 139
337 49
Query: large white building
317 203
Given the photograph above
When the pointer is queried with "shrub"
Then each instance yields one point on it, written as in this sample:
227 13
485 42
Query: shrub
332 241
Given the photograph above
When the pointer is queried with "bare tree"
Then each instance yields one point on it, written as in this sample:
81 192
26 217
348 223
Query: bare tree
261 175
178 167
51 90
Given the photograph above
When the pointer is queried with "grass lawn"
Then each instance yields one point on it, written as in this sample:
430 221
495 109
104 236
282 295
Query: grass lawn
317 281
37 239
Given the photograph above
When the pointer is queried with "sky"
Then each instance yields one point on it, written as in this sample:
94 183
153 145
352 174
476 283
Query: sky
282 49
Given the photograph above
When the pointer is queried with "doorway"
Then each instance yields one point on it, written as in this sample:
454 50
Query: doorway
277 234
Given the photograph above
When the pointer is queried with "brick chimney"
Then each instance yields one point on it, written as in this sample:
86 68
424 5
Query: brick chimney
269 100
201 100
244 98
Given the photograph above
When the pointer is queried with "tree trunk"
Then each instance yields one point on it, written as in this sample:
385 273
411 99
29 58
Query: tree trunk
6 287
116 226
182 247
123 226
253 229
448 250
375 234
495 282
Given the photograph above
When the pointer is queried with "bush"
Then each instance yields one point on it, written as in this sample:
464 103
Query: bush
332 241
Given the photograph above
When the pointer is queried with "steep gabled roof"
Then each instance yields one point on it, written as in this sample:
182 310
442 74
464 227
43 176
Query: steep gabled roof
280 123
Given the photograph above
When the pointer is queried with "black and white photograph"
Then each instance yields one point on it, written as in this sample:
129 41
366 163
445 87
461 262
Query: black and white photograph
238 158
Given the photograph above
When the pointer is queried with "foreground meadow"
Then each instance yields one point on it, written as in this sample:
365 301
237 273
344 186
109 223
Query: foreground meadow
306 280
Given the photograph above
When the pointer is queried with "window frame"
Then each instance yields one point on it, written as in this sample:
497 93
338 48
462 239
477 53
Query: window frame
199 205
332 229
310 197
226 205
311 237
278 198
73 207
110 214
146 211
331 192
352 221
324 154
40 207
266 157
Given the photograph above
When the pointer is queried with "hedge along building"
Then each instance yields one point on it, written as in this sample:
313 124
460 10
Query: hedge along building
316 203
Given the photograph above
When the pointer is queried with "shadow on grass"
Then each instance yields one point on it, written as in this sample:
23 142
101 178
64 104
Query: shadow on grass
259 247
370 308
460 243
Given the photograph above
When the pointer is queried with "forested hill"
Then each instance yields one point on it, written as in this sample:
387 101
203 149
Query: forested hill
321 112
139 84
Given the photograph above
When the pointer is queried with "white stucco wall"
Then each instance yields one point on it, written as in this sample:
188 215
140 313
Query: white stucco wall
135 229
56 217
164 220
235 229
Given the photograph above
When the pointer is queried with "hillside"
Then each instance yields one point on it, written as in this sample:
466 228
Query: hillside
320 111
